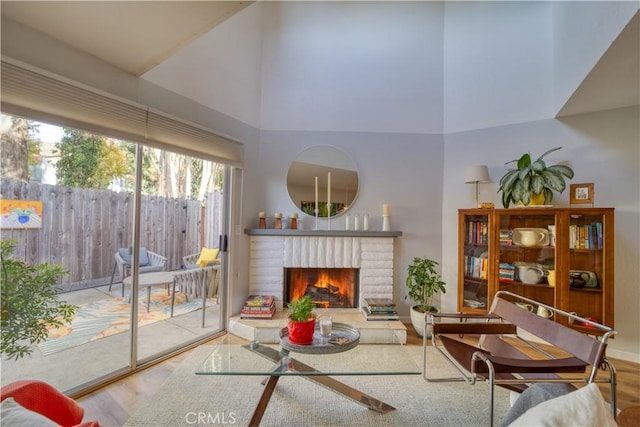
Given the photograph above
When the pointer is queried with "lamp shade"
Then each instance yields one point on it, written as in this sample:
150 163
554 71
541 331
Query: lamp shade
476 173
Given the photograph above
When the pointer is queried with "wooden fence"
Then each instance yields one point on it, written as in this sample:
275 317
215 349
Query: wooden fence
83 228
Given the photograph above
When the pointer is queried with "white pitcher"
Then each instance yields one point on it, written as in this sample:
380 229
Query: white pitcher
531 237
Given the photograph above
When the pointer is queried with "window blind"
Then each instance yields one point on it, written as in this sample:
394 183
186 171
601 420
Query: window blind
43 96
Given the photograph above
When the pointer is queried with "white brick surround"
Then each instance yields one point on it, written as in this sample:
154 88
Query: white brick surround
270 255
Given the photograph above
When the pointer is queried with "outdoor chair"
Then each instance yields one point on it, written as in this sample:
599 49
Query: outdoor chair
206 257
198 283
149 261
190 282
517 347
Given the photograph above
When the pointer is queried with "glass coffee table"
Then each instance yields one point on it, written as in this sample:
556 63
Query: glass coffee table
318 363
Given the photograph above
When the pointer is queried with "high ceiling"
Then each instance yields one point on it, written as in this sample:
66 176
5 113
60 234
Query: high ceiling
614 82
134 36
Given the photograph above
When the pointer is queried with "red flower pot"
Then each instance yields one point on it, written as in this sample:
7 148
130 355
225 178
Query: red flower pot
301 332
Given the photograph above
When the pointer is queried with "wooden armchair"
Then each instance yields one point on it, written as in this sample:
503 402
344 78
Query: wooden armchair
516 347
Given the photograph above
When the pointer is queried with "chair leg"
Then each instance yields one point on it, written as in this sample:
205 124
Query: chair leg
204 297
612 388
113 274
173 296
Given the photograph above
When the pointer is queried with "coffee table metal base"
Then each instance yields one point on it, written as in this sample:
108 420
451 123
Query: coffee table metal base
294 365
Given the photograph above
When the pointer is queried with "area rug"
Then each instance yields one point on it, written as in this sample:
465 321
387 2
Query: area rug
186 399
111 316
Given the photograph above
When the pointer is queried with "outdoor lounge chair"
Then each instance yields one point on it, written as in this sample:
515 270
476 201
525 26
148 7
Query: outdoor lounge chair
496 360
197 282
190 281
206 257
149 261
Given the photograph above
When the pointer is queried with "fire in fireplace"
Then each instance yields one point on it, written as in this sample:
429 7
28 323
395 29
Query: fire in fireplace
328 287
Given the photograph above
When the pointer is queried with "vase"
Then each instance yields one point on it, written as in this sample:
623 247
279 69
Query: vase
536 199
301 332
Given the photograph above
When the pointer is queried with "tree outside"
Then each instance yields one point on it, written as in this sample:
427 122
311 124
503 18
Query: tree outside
18 148
89 161
85 160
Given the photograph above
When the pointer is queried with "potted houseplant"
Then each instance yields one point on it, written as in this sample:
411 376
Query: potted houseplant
533 182
423 282
30 302
301 320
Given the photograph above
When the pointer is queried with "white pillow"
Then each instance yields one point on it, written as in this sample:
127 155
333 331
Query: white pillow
584 407
14 415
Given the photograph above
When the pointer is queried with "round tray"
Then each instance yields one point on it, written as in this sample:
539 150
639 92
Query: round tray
321 345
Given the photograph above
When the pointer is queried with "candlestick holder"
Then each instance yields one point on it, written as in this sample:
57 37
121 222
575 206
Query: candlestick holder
328 216
386 223
316 211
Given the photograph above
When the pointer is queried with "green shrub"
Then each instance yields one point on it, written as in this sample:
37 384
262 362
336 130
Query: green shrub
30 302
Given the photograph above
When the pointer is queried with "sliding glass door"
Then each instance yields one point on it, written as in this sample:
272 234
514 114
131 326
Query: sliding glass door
137 238
181 220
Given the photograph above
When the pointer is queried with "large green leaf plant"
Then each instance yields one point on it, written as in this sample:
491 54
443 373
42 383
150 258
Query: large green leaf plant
424 282
30 303
531 179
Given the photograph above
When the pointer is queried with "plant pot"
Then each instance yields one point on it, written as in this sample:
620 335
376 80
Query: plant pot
301 332
417 320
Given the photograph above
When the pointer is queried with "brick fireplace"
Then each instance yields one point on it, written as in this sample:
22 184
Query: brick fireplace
372 255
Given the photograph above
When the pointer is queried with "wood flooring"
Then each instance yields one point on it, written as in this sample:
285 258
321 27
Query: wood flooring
113 404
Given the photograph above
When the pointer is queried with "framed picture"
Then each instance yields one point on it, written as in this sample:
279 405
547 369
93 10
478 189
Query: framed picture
581 193
17 214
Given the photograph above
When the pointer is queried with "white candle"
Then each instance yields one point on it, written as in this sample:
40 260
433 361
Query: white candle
328 187
316 206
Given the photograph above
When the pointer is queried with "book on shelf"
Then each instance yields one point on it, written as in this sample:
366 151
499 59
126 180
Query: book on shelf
506 273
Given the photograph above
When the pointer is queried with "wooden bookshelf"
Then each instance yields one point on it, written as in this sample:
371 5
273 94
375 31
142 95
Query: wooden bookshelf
522 249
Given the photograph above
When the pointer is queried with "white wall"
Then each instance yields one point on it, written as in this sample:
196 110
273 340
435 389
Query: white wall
403 170
352 66
602 148
496 54
221 69
582 32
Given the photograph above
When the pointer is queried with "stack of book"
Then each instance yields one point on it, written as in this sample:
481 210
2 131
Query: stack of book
258 307
379 309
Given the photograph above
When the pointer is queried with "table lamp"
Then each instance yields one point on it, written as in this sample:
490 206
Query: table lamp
477 174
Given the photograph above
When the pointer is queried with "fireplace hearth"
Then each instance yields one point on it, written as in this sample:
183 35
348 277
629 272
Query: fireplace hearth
327 287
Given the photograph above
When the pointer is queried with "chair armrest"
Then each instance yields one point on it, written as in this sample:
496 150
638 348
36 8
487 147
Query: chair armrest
475 328
190 259
462 316
157 259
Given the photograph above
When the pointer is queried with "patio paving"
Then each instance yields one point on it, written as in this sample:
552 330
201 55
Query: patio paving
74 366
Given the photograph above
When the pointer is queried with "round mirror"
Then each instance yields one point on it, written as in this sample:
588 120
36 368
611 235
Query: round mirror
320 175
